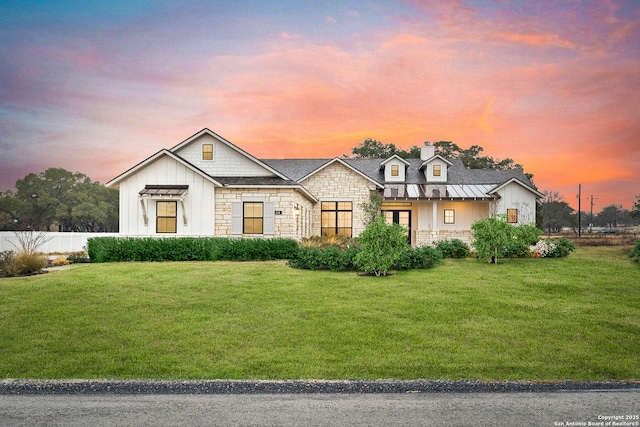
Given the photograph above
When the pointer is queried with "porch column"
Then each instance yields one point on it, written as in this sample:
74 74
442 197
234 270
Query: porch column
434 216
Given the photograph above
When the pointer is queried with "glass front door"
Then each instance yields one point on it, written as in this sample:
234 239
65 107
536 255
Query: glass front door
400 217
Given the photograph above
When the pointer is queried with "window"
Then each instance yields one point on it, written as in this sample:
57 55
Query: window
512 216
207 151
336 218
166 217
395 170
253 214
436 170
449 216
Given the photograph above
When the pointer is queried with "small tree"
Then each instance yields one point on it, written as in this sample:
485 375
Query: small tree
371 209
492 236
382 245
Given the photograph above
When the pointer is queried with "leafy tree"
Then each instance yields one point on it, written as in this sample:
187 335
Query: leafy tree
471 157
492 236
635 209
382 246
610 216
374 149
556 212
57 196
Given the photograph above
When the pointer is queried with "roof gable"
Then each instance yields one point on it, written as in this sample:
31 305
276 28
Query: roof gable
228 159
395 157
431 159
518 182
152 159
340 161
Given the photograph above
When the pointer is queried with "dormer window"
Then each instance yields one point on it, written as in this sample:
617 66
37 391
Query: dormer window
394 168
207 151
437 171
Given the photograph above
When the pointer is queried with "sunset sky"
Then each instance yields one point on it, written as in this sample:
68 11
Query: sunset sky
97 86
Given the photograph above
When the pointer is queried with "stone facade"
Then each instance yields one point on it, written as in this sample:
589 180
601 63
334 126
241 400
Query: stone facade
287 222
336 182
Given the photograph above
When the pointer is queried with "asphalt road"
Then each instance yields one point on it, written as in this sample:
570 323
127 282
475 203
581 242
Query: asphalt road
559 408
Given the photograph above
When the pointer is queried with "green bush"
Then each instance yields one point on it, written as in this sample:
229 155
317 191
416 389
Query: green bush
382 245
116 249
322 242
454 248
420 257
334 259
328 258
517 249
634 253
562 248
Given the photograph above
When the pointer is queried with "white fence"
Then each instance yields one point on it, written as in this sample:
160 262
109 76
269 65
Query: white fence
56 242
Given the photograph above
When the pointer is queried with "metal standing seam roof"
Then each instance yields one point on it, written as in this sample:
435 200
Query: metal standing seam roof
164 190
469 191
453 191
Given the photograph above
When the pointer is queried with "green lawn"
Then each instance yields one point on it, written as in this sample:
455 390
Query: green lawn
574 318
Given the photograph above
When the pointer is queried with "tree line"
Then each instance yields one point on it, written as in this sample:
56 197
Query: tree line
59 200
556 214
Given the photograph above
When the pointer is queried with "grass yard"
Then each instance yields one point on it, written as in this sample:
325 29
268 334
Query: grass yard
573 318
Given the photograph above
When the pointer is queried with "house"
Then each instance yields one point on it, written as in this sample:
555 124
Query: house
207 186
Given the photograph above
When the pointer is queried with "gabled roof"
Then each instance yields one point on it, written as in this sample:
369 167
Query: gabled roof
146 162
342 162
396 157
431 159
517 181
229 144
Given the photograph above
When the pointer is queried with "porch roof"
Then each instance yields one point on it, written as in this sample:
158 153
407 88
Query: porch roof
430 192
164 190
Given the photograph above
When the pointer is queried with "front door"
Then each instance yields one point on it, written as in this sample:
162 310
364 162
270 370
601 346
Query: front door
400 217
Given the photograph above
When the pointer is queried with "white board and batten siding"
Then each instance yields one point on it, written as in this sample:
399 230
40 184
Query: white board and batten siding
226 161
515 196
198 202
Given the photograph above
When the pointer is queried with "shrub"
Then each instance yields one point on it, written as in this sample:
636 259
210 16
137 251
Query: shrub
517 249
454 248
329 258
78 257
28 263
321 242
562 248
634 253
59 262
7 264
420 257
115 249
552 248
382 245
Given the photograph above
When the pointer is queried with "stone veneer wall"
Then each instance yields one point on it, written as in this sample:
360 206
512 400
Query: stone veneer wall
337 182
287 225
427 237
